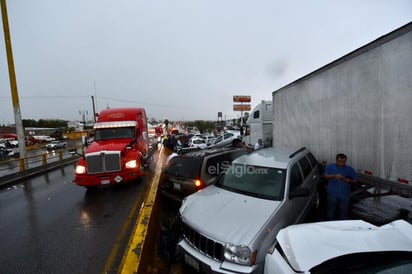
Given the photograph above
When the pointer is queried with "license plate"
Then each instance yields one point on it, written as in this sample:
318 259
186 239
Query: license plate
192 262
105 182
176 186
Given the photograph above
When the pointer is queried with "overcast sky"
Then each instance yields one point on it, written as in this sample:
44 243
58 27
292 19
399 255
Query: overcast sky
179 59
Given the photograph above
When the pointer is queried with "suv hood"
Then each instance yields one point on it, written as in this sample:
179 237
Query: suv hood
110 145
226 216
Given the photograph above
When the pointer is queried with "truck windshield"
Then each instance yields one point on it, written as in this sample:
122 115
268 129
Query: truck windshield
114 133
261 182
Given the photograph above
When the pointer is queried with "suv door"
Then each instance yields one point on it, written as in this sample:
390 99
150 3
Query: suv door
300 177
310 178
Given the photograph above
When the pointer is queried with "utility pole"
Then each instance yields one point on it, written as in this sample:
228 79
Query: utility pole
13 82
94 110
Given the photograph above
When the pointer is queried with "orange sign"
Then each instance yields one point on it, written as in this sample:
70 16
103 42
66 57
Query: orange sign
242 107
241 99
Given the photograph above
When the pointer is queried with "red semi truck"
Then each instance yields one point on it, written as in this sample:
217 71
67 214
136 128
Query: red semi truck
118 151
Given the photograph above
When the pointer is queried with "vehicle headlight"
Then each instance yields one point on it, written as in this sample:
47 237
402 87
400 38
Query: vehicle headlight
240 254
131 164
80 169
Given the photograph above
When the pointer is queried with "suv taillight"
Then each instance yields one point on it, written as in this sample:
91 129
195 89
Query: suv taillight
199 184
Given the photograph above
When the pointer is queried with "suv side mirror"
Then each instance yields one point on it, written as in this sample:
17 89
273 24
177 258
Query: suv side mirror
299 192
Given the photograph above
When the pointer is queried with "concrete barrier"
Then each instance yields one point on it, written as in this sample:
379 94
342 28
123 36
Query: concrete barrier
140 249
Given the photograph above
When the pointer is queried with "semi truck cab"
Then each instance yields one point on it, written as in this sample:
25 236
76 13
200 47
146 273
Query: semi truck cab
118 152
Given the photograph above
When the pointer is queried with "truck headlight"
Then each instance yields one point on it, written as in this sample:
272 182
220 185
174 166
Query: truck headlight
239 254
80 169
131 164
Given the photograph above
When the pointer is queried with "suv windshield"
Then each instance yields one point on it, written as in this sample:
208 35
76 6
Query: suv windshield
257 181
185 167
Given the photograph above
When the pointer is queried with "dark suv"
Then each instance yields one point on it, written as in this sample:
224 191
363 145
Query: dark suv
192 171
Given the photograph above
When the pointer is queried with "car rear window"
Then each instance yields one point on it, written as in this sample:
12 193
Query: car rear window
185 167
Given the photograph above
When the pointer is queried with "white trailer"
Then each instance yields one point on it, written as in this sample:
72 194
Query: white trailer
360 105
259 125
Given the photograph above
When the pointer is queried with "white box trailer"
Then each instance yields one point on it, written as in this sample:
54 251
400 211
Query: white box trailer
360 105
259 125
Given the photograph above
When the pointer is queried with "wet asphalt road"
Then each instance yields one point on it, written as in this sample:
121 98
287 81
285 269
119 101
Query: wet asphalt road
50 225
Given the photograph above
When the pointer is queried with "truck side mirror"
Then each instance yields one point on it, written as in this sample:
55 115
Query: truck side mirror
84 141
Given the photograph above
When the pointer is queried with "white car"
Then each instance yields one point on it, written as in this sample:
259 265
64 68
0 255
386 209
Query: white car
209 139
225 139
196 142
351 246
55 145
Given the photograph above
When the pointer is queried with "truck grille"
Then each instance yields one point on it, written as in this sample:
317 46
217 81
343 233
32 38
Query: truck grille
100 162
205 245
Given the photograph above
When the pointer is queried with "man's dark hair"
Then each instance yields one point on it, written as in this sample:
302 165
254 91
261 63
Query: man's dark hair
340 156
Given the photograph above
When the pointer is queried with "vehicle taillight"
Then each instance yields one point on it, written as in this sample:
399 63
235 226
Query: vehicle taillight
199 184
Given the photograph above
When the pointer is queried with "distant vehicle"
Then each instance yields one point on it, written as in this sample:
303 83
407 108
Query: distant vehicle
209 139
352 246
259 125
225 139
229 226
55 145
6 149
195 142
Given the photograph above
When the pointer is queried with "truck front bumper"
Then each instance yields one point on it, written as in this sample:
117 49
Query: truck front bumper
108 178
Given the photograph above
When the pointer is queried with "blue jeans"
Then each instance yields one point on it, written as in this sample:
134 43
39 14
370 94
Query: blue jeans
339 205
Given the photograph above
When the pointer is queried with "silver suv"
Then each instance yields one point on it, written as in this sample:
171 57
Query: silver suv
229 226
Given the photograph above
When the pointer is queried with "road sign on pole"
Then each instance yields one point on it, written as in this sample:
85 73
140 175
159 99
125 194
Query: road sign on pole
242 99
242 107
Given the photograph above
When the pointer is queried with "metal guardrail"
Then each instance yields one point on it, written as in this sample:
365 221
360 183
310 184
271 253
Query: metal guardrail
383 186
12 170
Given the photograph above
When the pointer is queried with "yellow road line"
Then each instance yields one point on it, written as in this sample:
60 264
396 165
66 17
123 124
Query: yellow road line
123 232
131 258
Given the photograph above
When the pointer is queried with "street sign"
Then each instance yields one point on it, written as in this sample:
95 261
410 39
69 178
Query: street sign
242 107
242 99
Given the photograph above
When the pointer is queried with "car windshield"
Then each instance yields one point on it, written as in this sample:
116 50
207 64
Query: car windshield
114 133
387 262
185 167
257 181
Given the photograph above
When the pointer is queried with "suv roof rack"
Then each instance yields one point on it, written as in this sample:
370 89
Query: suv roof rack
296 152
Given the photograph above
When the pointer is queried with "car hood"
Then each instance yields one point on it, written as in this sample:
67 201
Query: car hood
110 145
226 216
337 238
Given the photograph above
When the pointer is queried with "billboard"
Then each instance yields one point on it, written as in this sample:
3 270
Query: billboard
242 107
242 99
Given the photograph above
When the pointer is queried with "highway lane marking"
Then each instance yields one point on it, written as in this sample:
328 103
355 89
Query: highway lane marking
119 240
131 259
123 233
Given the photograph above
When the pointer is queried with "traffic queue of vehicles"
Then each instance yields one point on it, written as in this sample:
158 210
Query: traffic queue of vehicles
235 205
